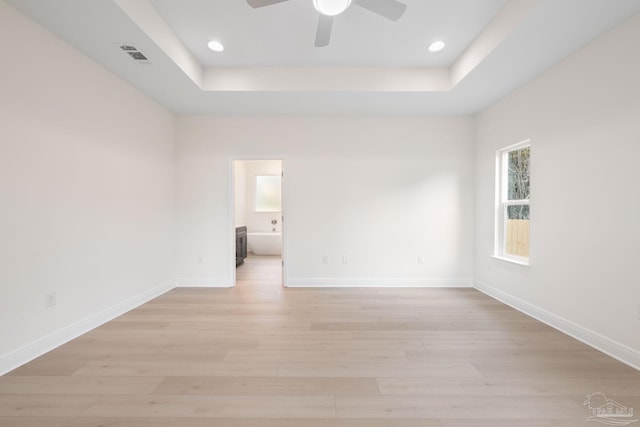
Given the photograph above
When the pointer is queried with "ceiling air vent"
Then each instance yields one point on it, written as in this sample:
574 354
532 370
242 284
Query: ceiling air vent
133 52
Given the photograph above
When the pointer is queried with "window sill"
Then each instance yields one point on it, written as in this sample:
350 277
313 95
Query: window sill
513 261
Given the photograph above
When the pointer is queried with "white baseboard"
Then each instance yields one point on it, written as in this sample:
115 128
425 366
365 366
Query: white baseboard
375 282
606 345
19 357
198 282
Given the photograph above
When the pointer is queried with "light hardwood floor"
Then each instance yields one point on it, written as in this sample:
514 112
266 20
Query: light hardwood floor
259 355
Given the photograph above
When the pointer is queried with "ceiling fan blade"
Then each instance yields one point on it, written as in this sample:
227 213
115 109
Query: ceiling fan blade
390 9
323 33
262 3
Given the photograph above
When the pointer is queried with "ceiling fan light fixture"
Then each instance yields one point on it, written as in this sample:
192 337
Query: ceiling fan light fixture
331 7
436 46
215 46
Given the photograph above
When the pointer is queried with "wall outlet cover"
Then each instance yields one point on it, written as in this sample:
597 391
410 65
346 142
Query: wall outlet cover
50 299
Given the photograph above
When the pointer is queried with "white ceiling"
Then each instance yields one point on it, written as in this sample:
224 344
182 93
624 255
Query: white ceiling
372 66
283 34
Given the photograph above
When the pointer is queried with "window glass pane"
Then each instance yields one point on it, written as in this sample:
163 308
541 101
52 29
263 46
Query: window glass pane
268 193
518 174
517 230
518 212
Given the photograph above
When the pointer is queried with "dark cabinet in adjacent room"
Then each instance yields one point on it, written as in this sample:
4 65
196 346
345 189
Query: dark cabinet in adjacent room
241 245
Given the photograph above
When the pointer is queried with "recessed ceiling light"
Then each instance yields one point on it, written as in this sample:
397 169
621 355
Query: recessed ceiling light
436 46
215 46
331 7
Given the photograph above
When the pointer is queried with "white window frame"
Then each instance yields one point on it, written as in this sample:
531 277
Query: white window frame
502 203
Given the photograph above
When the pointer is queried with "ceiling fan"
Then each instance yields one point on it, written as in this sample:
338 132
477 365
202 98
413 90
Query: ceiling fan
328 9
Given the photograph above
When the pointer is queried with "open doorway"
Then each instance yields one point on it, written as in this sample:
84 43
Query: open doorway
258 228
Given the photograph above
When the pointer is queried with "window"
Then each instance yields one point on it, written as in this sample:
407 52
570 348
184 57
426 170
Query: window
268 193
512 196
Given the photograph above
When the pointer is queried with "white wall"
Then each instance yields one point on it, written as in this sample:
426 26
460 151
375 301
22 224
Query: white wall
380 190
240 193
583 118
86 192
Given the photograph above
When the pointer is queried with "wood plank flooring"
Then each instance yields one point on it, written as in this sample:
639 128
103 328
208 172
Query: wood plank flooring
259 355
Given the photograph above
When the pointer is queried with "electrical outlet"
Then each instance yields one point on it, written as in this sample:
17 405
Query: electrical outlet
345 259
420 259
325 259
49 300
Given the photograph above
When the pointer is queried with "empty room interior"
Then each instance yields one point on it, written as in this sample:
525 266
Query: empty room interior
310 213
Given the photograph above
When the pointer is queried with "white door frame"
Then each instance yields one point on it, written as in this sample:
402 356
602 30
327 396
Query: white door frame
232 214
